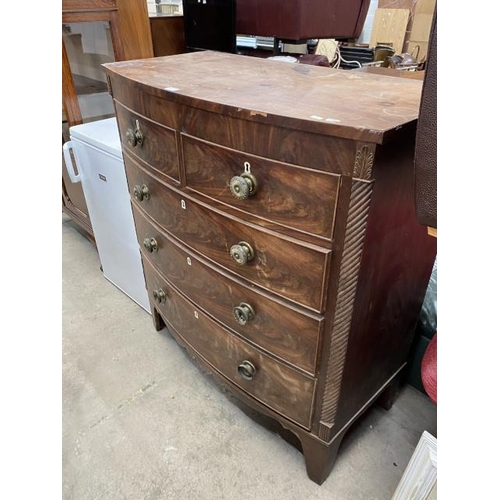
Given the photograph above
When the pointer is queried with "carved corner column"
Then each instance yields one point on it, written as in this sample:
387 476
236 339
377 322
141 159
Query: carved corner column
359 205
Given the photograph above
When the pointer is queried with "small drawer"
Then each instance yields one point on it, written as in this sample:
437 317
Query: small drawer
278 386
290 268
284 331
153 143
296 197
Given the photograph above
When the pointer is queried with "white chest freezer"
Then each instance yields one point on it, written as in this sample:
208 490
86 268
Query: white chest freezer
97 152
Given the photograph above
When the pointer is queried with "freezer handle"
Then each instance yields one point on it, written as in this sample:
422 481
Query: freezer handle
75 178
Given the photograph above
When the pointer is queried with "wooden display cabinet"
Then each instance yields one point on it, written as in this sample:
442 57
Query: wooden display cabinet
167 31
95 32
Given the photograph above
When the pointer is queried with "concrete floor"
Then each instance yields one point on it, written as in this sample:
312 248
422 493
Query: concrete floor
141 421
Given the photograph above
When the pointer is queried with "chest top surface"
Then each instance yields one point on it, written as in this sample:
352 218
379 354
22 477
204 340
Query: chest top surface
318 99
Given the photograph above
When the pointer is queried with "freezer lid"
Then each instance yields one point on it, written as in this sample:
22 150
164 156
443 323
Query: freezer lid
102 134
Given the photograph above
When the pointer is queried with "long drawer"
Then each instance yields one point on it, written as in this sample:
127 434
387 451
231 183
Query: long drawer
268 323
295 197
271 382
288 267
153 143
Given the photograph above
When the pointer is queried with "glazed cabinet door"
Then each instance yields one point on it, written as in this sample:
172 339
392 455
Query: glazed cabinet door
95 32
86 45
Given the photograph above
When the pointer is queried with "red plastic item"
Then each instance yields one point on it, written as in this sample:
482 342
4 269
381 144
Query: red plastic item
429 369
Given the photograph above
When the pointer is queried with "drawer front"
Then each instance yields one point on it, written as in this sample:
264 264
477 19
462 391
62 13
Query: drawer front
291 269
273 383
295 197
153 143
270 324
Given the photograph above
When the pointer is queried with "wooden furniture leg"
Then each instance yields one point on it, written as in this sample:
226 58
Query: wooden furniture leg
319 456
390 393
158 322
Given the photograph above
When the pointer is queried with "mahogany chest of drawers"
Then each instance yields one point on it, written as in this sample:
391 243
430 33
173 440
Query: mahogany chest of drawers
274 207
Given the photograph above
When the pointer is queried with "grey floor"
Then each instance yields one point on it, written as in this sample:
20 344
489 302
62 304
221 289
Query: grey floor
142 421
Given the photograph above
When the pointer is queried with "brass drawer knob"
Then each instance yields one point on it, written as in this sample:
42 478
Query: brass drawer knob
150 244
242 186
134 136
243 313
141 192
247 370
242 253
159 296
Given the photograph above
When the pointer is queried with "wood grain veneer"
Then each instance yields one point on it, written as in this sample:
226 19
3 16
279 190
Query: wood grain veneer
341 264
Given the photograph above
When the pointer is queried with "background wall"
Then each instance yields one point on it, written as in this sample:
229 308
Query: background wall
166 6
